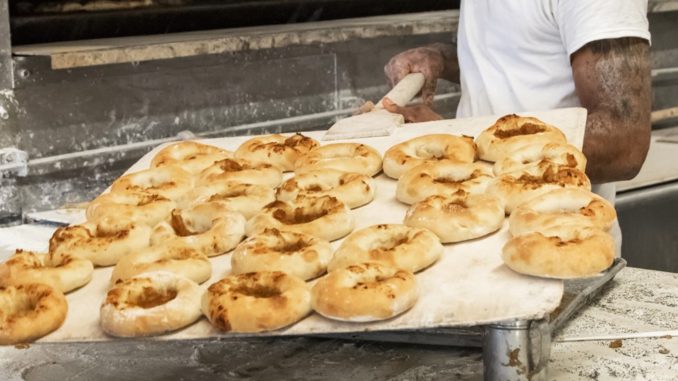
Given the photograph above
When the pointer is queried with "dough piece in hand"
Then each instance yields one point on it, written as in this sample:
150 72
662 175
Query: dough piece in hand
169 182
256 302
364 292
149 304
565 252
562 207
443 177
102 248
192 157
353 189
517 188
115 211
29 312
512 132
428 148
297 254
242 171
171 257
210 229
398 246
541 154
457 217
246 199
346 157
279 150
323 217
64 274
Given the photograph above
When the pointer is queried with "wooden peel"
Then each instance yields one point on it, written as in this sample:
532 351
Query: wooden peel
378 121
662 115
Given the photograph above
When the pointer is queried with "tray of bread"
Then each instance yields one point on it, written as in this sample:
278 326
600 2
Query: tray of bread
442 224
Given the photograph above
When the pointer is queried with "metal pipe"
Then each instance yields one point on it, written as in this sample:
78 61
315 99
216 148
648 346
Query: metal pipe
516 350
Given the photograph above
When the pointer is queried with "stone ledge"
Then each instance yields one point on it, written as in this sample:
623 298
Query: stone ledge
157 47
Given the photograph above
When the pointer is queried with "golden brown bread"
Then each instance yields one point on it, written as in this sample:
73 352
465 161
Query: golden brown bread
256 302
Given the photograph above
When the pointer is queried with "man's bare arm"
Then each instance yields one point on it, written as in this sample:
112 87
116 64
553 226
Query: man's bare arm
612 79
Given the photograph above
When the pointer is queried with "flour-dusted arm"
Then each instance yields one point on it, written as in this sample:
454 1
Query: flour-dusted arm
612 79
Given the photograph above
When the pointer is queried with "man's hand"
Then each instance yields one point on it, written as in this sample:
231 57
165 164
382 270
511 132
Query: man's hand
433 61
412 114
612 80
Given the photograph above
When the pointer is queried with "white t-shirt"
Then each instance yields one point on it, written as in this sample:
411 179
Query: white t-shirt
514 55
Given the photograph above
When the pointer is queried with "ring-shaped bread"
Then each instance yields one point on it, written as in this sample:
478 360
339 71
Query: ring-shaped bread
457 217
353 189
324 217
211 229
256 302
242 171
169 182
170 256
512 132
442 177
562 207
428 148
517 188
114 211
102 248
297 254
29 312
398 246
246 199
347 157
563 252
562 154
282 151
149 304
364 292
64 274
192 157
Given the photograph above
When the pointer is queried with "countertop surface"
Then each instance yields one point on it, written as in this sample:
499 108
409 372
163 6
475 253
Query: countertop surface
636 301
660 164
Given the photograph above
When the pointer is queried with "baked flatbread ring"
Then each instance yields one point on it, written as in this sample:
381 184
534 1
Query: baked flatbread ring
404 156
246 199
398 246
364 292
353 189
562 207
192 157
171 257
149 304
102 248
519 187
347 157
169 182
566 252
512 132
242 171
256 302
210 229
64 274
29 312
114 211
457 217
297 254
443 177
282 151
540 154
323 217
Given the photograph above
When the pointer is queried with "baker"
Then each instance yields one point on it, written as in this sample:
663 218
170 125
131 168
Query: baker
514 56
